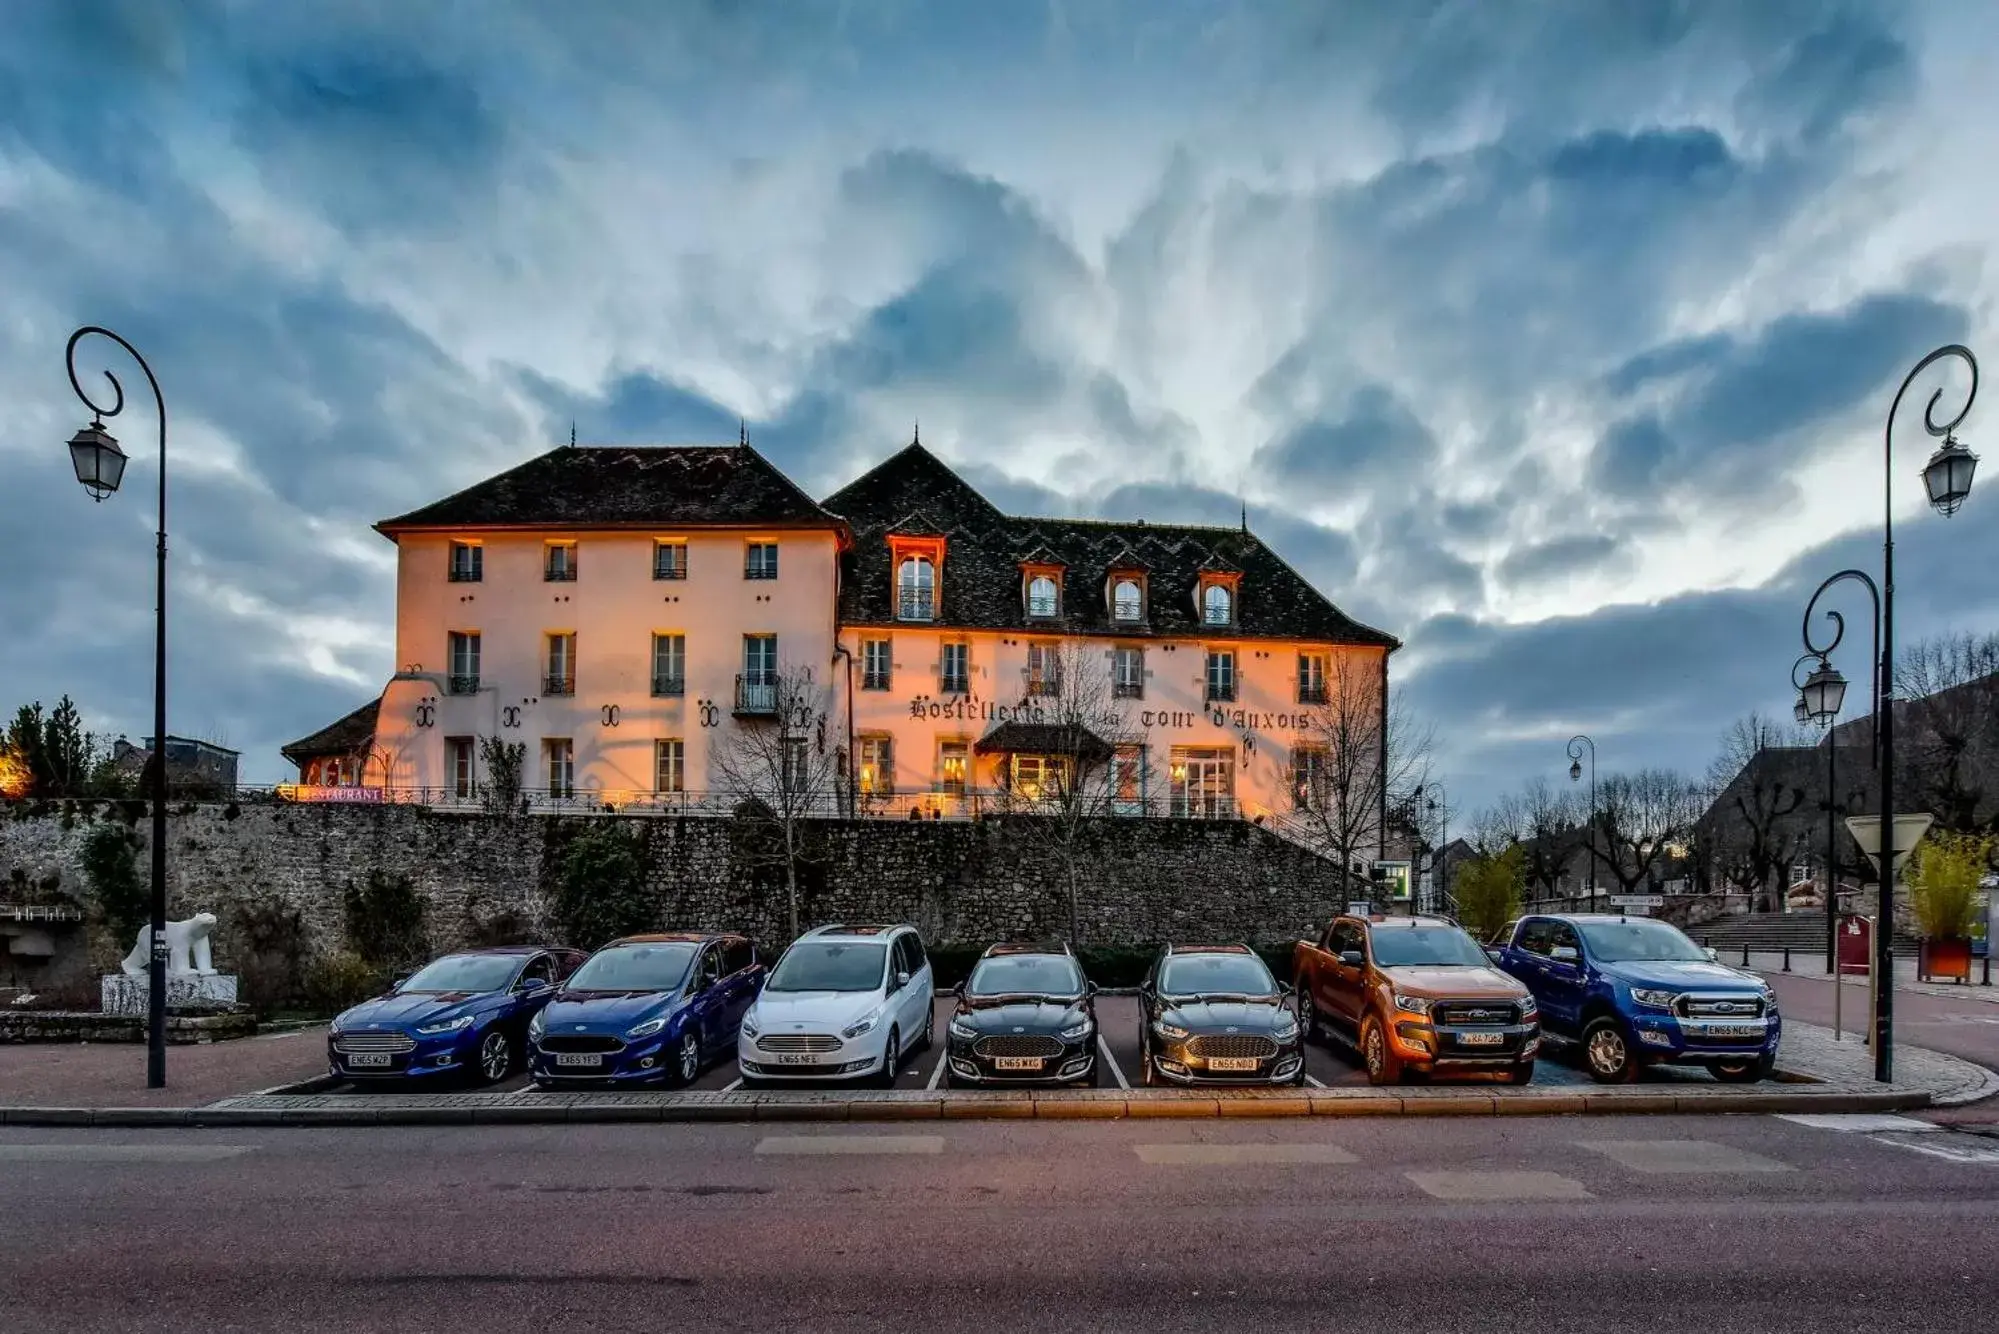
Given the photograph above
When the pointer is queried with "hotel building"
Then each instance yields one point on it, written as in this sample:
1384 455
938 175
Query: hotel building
619 612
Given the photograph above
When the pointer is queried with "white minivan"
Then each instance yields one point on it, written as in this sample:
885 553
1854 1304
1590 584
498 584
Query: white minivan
844 1002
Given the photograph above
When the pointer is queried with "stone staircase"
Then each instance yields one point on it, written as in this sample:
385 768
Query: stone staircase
1772 932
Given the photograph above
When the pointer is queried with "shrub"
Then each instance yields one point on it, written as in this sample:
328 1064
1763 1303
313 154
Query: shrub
1943 875
110 869
384 918
270 953
341 979
601 893
1488 892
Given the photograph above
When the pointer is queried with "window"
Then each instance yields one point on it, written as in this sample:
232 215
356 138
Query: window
1348 936
458 755
1044 669
669 665
797 770
711 968
1127 601
876 664
541 968
1538 936
561 676
468 562
1044 596
669 560
916 589
560 754
1128 780
669 765
757 688
1221 674
760 561
953 763
1217 605
1040 777
954 669
464 662
1309 775
877 766
737 954
1311 678
1128 673
1203 781
558 562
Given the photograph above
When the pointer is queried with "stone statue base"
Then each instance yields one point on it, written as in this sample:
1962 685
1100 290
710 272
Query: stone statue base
121 993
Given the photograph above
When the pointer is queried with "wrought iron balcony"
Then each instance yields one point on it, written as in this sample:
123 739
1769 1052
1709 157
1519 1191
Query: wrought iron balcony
463 685
874 680
1312 693
756 696
559 574
669 685
465 574
1128 690
558 685
913 606
1221 692
954 685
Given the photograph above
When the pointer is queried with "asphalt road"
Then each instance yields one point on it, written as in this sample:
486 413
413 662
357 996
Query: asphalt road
1544 1224
1968 1028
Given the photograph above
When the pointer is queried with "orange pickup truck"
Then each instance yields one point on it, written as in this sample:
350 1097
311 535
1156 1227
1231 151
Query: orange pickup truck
1416 995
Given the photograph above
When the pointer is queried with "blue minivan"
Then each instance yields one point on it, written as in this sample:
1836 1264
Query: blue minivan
1635 992
646 1009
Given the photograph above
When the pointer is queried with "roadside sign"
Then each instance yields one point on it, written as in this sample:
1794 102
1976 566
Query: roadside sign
1637 901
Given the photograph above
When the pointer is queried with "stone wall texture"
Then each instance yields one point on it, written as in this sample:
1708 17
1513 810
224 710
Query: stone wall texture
1142 881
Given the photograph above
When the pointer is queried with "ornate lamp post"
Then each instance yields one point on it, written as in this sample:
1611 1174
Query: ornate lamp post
1436 800
1820 696
1576 744
100 466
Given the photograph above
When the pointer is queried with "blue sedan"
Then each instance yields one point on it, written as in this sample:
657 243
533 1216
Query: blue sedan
464 1015
645 1009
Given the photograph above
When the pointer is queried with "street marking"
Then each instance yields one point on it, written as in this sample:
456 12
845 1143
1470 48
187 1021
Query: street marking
937 1075
1864 1123
1313 1081
850 1144
1954 1148
1104 1050
1659 1157
1488 1187
280 1037
733 1085
123 1153
1238 1155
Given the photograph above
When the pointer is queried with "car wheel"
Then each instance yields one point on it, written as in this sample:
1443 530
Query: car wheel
929 1027
686 1060
1743 1072
1521 1074
1146 1073
1308 1017
1607 1052
891 1058
496 1057
1382 1065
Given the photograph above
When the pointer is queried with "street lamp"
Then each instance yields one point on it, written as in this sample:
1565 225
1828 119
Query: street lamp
1820 696
100 466
1576 744
1436 800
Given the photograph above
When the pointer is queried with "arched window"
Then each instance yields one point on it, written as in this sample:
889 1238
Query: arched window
1127 601
1216 605
1043 597
916 589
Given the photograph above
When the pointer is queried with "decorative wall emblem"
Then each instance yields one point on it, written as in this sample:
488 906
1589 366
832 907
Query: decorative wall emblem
610 714
510 716
822 734
710 712
426 712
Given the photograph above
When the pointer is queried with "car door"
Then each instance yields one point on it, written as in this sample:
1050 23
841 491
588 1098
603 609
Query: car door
1564 971
1526 958
707 1003
740 982
913 999
533 988
1347 985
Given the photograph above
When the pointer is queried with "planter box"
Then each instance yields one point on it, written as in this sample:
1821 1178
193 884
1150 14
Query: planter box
1944 960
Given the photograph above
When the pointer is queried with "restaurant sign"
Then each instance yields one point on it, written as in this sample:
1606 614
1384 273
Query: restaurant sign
970 708
310 792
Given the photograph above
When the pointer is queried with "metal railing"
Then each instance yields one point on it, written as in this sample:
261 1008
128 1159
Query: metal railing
756 695
1127 690
464 575
669 685
1312 694
462 685
1220 692
912 606
558 685
559 574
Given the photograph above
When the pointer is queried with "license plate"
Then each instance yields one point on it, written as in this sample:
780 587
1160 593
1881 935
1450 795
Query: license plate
1232 1063
796 1058
1481 1039
1735 1030
1017 1062
369 1060
588 1059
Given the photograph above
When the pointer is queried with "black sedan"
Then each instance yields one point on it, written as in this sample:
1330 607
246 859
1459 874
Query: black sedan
1024 1016
1213 1014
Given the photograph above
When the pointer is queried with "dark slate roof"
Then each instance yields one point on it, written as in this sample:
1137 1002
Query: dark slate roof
1044 739
980 581
617 485
354 733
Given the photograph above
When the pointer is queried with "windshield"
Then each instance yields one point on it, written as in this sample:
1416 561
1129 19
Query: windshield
1427 945
635 968
1216 974
1635 942
465 972
1026 975
824 965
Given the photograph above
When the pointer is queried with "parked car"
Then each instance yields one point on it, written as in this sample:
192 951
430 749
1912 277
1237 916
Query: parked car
1026 1015
1637 992
843 1002
1416 995
464 1015
646 1009
1213 1014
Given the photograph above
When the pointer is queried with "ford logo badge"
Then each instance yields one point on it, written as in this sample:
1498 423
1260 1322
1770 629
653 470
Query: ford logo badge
1019 1030
1230 1030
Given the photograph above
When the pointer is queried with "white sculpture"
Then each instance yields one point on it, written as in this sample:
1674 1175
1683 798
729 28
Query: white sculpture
188 948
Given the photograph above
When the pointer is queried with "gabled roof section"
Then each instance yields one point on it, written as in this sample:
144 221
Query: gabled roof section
1127 561
1043 554
908 480
352 734
1218 562
625 486
917 524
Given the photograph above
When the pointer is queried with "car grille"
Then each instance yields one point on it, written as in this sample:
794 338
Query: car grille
396 1042
1718 1007
1024 1045
795 1042
580 1042
1467 1014
1207 1048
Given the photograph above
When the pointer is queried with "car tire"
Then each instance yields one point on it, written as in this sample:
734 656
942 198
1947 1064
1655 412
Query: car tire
1308 1018
678 1075
1523 1073
1147 1076
1383 1067
929 1028
495 1058
1607 1051
891 1059
1743 1072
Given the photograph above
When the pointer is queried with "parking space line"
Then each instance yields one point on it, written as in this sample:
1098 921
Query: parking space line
1493 1187
1239 1155
850 1144
1104 1050
937 1074
733 1085
1314 1081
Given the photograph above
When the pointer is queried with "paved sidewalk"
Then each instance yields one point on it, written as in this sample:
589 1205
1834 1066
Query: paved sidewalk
113 1074
1813 965
1949 1080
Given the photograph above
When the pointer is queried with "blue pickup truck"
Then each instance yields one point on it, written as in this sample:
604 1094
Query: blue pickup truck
1635 992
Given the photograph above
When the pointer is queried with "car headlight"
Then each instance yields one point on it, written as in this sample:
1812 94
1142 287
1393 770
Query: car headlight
1529 1008
463 1021
1658 1000
749 1025
861 1025
648 1028
961 1029
1412 1004
537 1026
1077 1031
1286 1028
1173 1031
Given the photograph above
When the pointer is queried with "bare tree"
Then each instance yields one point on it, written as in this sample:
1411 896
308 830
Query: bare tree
774 766
1077 762
1643 822
1753 832
1358 755
1544 823
1951 685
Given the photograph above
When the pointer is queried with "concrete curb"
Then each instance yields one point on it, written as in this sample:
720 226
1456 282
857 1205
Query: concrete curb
578 1109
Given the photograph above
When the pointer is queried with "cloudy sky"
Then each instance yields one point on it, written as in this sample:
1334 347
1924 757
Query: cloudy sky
1554 338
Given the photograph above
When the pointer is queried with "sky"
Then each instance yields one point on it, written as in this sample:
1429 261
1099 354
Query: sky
1555 339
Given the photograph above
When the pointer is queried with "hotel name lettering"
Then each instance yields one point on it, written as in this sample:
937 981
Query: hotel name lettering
971 709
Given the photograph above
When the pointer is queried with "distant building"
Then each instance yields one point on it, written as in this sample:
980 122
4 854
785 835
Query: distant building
192 766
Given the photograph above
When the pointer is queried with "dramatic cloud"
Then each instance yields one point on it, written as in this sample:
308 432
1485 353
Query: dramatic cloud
1555 340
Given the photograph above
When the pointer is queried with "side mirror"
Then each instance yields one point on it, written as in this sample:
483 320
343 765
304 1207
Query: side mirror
959 991
1089 989
1564 954
397 985
901 981
1353 958
534 986
1713 955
